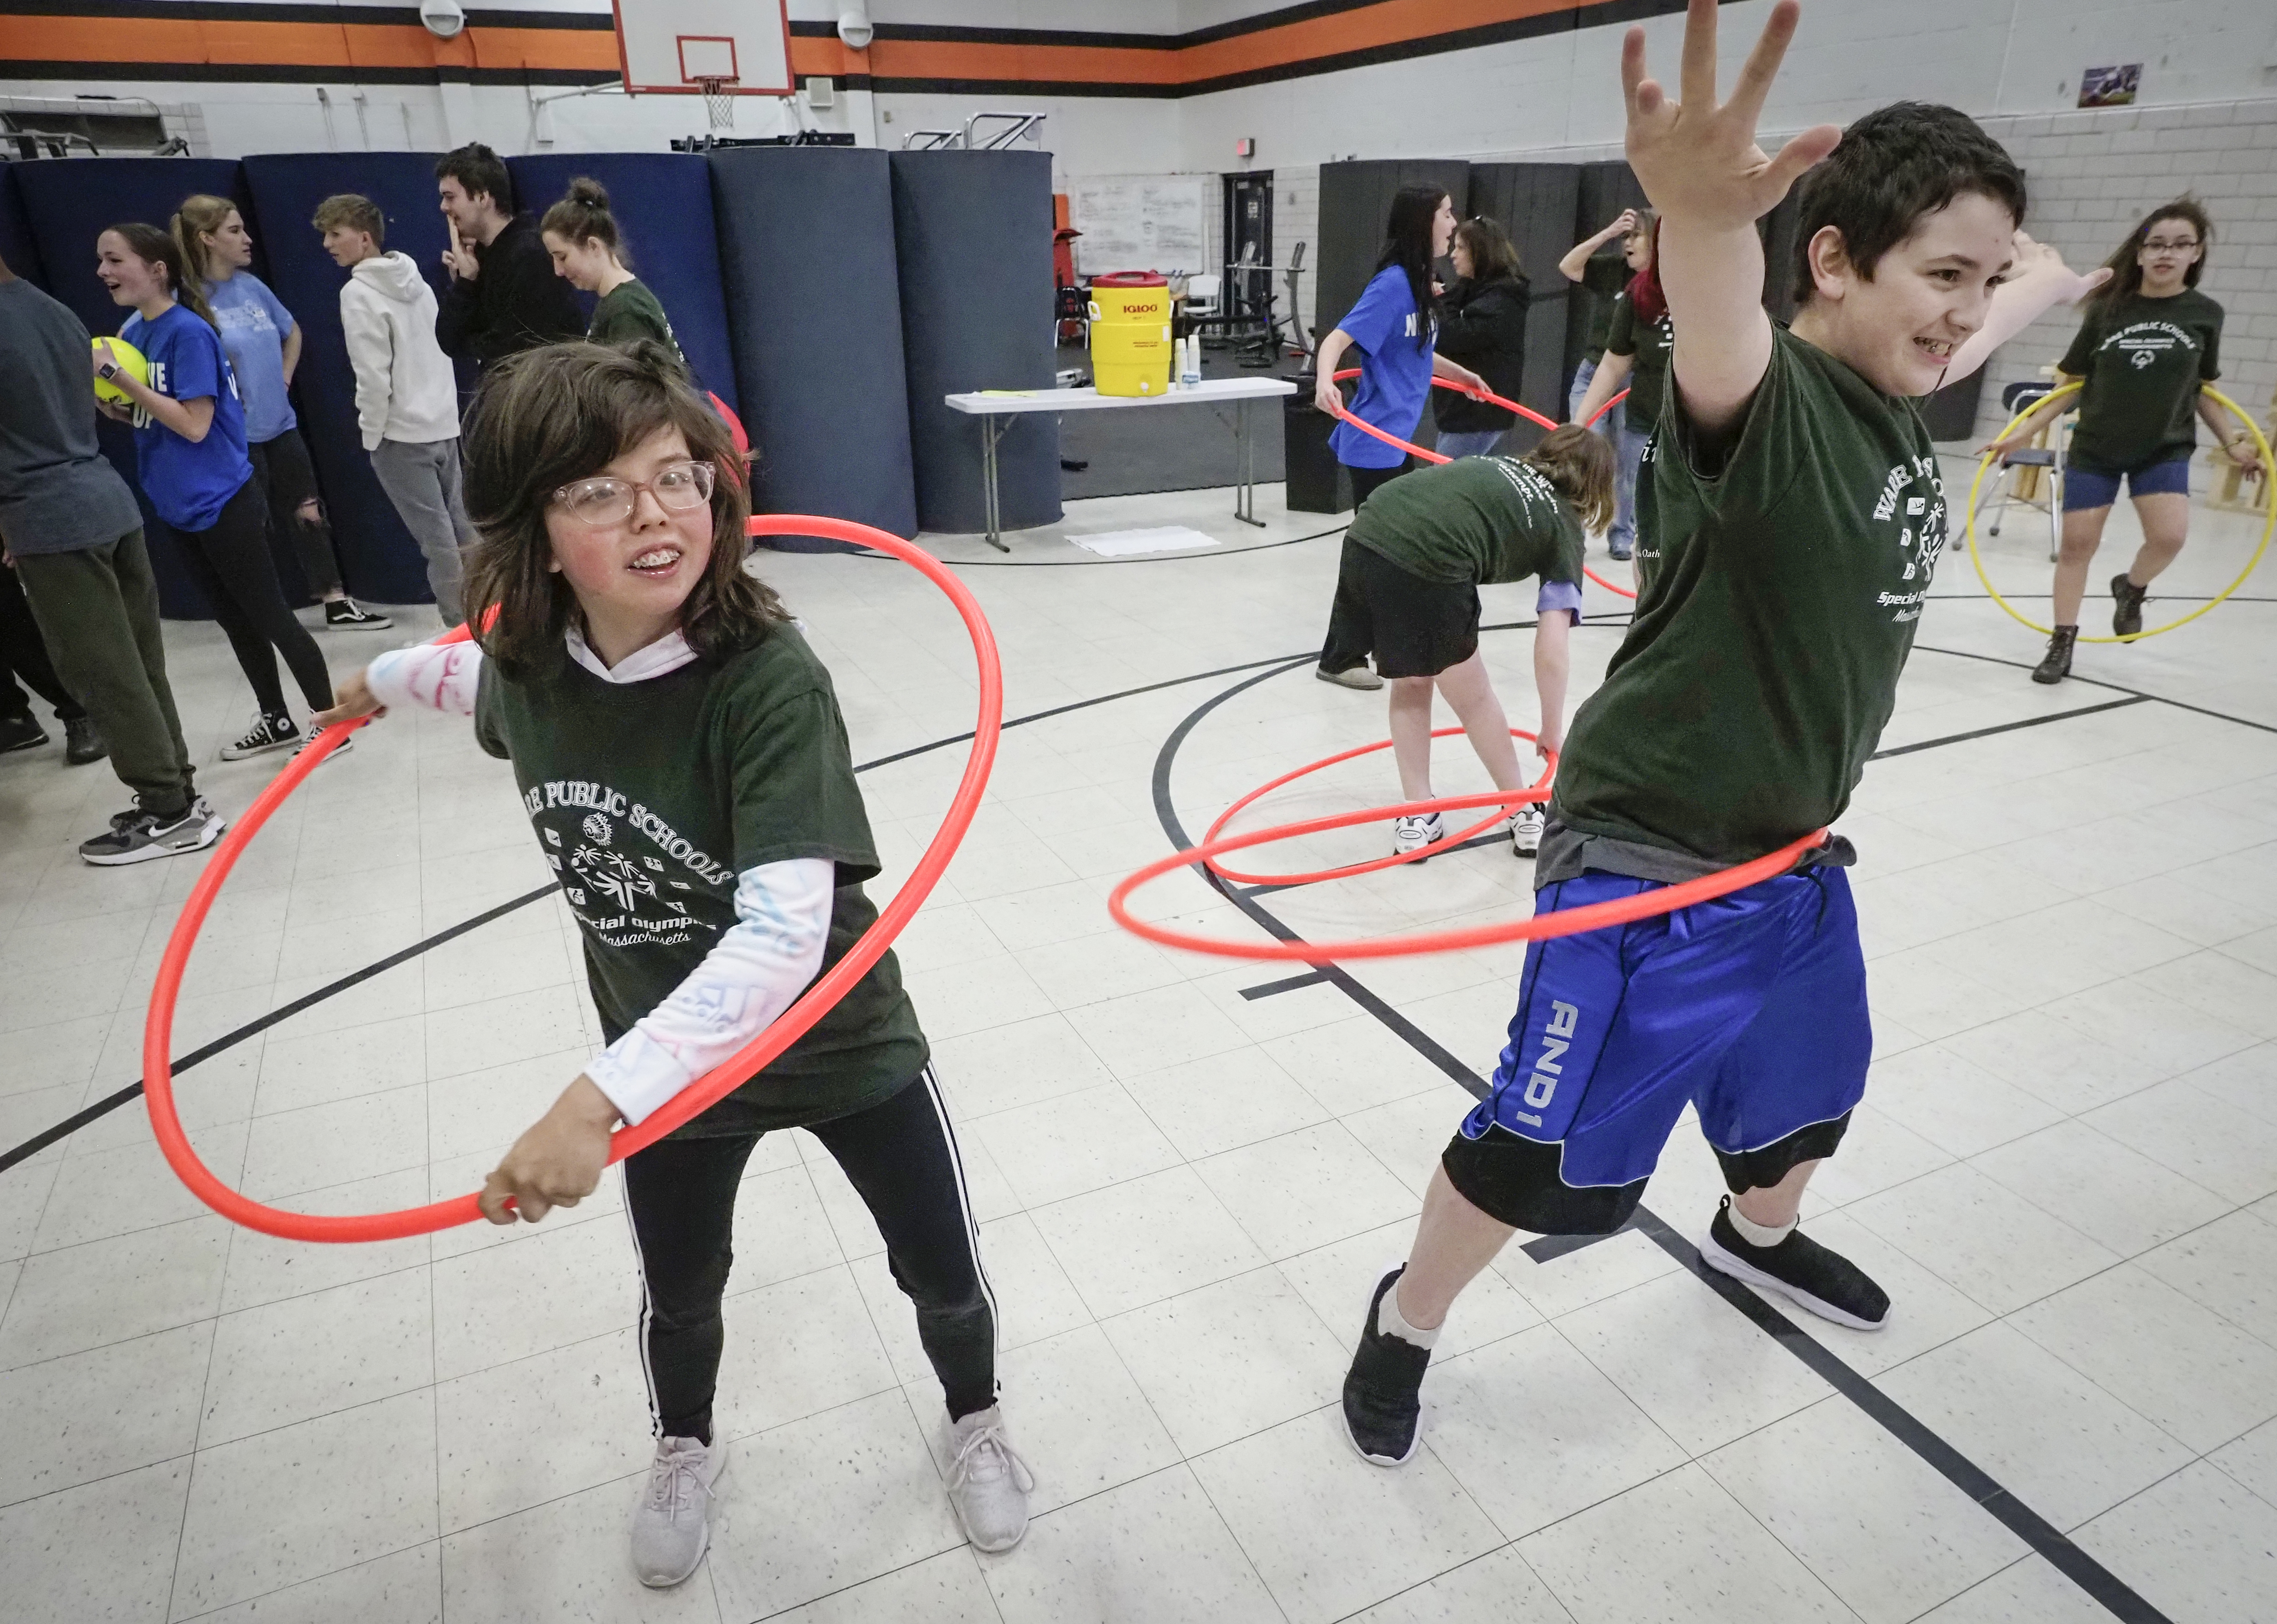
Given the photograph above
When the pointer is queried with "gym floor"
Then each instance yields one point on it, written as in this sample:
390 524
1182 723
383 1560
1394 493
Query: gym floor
1187 1172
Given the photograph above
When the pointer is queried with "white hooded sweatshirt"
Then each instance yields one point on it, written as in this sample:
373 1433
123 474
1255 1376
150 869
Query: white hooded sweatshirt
405 388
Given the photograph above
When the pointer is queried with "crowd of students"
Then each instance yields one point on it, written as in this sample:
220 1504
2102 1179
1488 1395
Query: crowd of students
220 459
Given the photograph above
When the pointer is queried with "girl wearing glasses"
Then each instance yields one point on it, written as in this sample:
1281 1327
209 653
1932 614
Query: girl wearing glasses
2150 339
680 753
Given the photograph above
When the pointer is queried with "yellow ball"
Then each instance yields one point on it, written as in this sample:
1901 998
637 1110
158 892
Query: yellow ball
128 360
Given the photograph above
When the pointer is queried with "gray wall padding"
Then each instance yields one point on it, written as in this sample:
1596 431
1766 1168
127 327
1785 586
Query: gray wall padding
806 257
1534 203
973 234
1355 207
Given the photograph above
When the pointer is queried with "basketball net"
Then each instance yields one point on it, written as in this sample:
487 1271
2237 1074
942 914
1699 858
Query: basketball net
719 101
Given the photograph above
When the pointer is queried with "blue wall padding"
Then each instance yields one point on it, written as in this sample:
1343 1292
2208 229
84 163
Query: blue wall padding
806 257
378 559
17 245
662 202
973 237
68 202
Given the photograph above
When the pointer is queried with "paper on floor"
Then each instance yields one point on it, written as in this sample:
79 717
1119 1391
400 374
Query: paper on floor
1124 543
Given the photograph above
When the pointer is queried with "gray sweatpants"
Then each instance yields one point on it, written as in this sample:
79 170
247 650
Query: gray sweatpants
422 481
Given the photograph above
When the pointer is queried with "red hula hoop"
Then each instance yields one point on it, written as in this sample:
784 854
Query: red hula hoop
157 1072
1491 399
1541 927
1537 791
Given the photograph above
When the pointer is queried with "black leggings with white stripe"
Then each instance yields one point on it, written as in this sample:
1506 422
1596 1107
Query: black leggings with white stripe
901 1156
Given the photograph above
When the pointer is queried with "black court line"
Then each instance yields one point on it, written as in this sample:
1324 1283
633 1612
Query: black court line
2009 726
1311 977
2045 1538
2092 681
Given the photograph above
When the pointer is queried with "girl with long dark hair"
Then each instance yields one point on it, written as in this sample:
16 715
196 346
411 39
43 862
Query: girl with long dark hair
1481 325
2148 340
1394 328
1639 341
190 455
685 770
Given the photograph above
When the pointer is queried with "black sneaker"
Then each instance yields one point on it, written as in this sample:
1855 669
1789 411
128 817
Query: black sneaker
2126 605
1622 553
83 743
270 733
138 837
20 733
2055 665
1384 1409
345 745
346 612
1826 1283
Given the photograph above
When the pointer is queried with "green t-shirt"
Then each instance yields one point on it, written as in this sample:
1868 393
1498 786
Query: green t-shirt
1763 660
1475 522
1603 274
2144 359
1651 343
626 312
649 799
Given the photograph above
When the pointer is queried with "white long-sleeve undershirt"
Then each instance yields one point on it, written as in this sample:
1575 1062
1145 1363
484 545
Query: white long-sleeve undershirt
755 971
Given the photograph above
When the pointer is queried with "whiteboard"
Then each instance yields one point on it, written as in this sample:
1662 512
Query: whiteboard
1139 223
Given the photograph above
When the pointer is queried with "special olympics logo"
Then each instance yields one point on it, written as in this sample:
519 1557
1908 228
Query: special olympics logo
597 826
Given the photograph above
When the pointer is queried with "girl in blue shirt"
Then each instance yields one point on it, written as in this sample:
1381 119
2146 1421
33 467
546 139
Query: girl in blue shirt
263 343
189 453
1395 329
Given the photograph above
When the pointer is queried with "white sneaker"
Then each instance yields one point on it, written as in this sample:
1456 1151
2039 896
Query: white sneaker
672 1524
988 1482
1525 829
1414 834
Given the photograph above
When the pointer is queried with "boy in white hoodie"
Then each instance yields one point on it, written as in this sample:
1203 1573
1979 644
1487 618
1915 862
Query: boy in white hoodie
407 394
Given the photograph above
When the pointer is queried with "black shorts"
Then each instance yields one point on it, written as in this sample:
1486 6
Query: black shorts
1413 627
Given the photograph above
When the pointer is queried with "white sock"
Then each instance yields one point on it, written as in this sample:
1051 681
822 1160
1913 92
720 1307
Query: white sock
1760 1234
1390 1323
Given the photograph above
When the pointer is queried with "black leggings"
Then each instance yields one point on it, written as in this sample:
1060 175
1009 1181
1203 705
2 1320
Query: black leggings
288 479
230 564
901 1156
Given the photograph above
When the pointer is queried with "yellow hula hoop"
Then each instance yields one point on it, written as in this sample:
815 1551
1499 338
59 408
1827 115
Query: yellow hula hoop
2269 466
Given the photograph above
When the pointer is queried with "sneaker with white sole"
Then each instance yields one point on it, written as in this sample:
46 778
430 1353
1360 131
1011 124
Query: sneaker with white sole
1353 676
345 745
1526 830
346 612
268 733
139 836
1414 834
672 1524
1383 1395
988 1482
1823 1281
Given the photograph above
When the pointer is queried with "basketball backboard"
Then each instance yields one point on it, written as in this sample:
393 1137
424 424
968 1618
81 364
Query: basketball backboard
674 47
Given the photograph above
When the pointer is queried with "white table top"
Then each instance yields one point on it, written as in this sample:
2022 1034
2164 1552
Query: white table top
980 405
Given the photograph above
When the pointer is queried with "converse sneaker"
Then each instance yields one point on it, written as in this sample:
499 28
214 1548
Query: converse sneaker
988 1482
2126 605
672 1524
1826 1283
1383 1406
346 611
83 742
1414 834
1358 676
268 732
2055 665
137 837
1526 830
341 748
20 733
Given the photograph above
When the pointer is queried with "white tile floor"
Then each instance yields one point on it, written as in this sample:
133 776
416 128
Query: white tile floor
2066 1171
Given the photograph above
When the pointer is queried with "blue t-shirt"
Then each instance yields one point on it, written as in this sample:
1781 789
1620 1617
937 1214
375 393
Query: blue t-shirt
188 481
1395 376
254 325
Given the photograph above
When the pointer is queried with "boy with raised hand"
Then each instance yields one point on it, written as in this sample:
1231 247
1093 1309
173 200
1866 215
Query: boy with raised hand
1792 501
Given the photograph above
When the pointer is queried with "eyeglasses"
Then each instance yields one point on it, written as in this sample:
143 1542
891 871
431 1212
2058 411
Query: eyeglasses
2159 245
677 487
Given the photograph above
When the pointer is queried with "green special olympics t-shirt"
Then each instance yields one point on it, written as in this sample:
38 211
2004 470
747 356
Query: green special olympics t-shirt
1603 274
1474 521
1652 343
649 799
2144 359
1753 683
626 312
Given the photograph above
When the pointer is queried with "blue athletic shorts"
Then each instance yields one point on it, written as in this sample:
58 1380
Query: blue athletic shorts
1751 1007
2086 487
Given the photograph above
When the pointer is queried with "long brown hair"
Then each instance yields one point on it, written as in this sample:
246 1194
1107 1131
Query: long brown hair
202 211
552 416
1579 465
2127 269
154 247
1493 256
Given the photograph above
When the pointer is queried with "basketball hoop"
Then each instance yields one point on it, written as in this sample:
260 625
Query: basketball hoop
718 99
